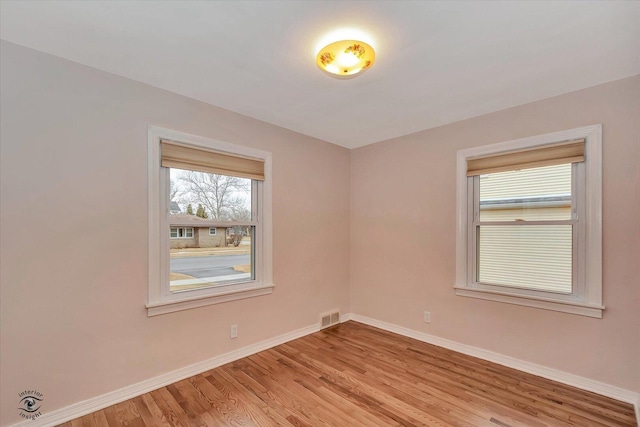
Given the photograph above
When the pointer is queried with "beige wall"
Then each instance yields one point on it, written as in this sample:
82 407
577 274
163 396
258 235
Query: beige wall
403 238
73 146
73 160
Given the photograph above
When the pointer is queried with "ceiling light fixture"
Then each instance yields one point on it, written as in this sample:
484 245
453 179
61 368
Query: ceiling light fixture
345 58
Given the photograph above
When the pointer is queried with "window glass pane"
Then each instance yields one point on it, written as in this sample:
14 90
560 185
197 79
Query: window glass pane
526 256
210 254
222 260
535 194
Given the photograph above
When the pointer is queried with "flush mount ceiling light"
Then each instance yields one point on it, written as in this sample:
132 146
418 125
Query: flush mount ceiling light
345 58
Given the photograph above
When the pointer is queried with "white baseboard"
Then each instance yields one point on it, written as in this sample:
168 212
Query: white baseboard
88 406
583 383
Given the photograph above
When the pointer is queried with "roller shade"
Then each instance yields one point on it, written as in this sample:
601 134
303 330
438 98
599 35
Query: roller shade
549 155
179 156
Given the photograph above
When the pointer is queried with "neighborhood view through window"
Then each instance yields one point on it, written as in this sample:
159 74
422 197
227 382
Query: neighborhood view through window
211 230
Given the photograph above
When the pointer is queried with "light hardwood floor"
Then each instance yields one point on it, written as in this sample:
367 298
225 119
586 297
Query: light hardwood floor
357 375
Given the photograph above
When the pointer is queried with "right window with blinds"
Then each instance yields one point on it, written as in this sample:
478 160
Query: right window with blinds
531 233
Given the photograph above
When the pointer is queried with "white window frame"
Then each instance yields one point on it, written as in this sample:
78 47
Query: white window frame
586 299
184 233
215 231
160 299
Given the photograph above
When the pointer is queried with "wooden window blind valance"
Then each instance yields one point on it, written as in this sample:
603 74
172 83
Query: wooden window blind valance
180 156
549 155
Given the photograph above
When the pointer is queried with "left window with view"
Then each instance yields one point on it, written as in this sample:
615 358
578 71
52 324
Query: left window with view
209 222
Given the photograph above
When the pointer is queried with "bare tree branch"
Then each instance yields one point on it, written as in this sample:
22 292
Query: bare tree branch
173 190
218 194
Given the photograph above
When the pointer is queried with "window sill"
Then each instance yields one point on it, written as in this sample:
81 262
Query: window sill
579 308
164 307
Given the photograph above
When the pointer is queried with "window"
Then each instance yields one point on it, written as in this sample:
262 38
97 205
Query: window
216 185
181 233
529 222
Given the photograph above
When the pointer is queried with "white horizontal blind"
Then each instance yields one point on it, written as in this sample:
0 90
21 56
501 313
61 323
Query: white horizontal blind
550 180
529 256
532 257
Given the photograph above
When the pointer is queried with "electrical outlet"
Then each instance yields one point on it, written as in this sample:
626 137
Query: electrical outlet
427 317
234 331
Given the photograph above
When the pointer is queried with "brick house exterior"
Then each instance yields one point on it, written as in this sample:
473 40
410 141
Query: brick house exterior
190 231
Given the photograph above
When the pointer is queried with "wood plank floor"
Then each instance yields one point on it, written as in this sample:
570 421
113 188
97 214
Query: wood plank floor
357 375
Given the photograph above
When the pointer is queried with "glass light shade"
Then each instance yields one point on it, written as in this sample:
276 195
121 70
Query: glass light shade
345 58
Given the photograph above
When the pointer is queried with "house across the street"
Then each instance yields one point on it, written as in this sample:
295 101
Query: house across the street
190 231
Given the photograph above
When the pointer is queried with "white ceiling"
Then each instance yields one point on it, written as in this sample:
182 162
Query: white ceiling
436 62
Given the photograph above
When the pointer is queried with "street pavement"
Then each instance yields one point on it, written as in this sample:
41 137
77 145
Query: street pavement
209 266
